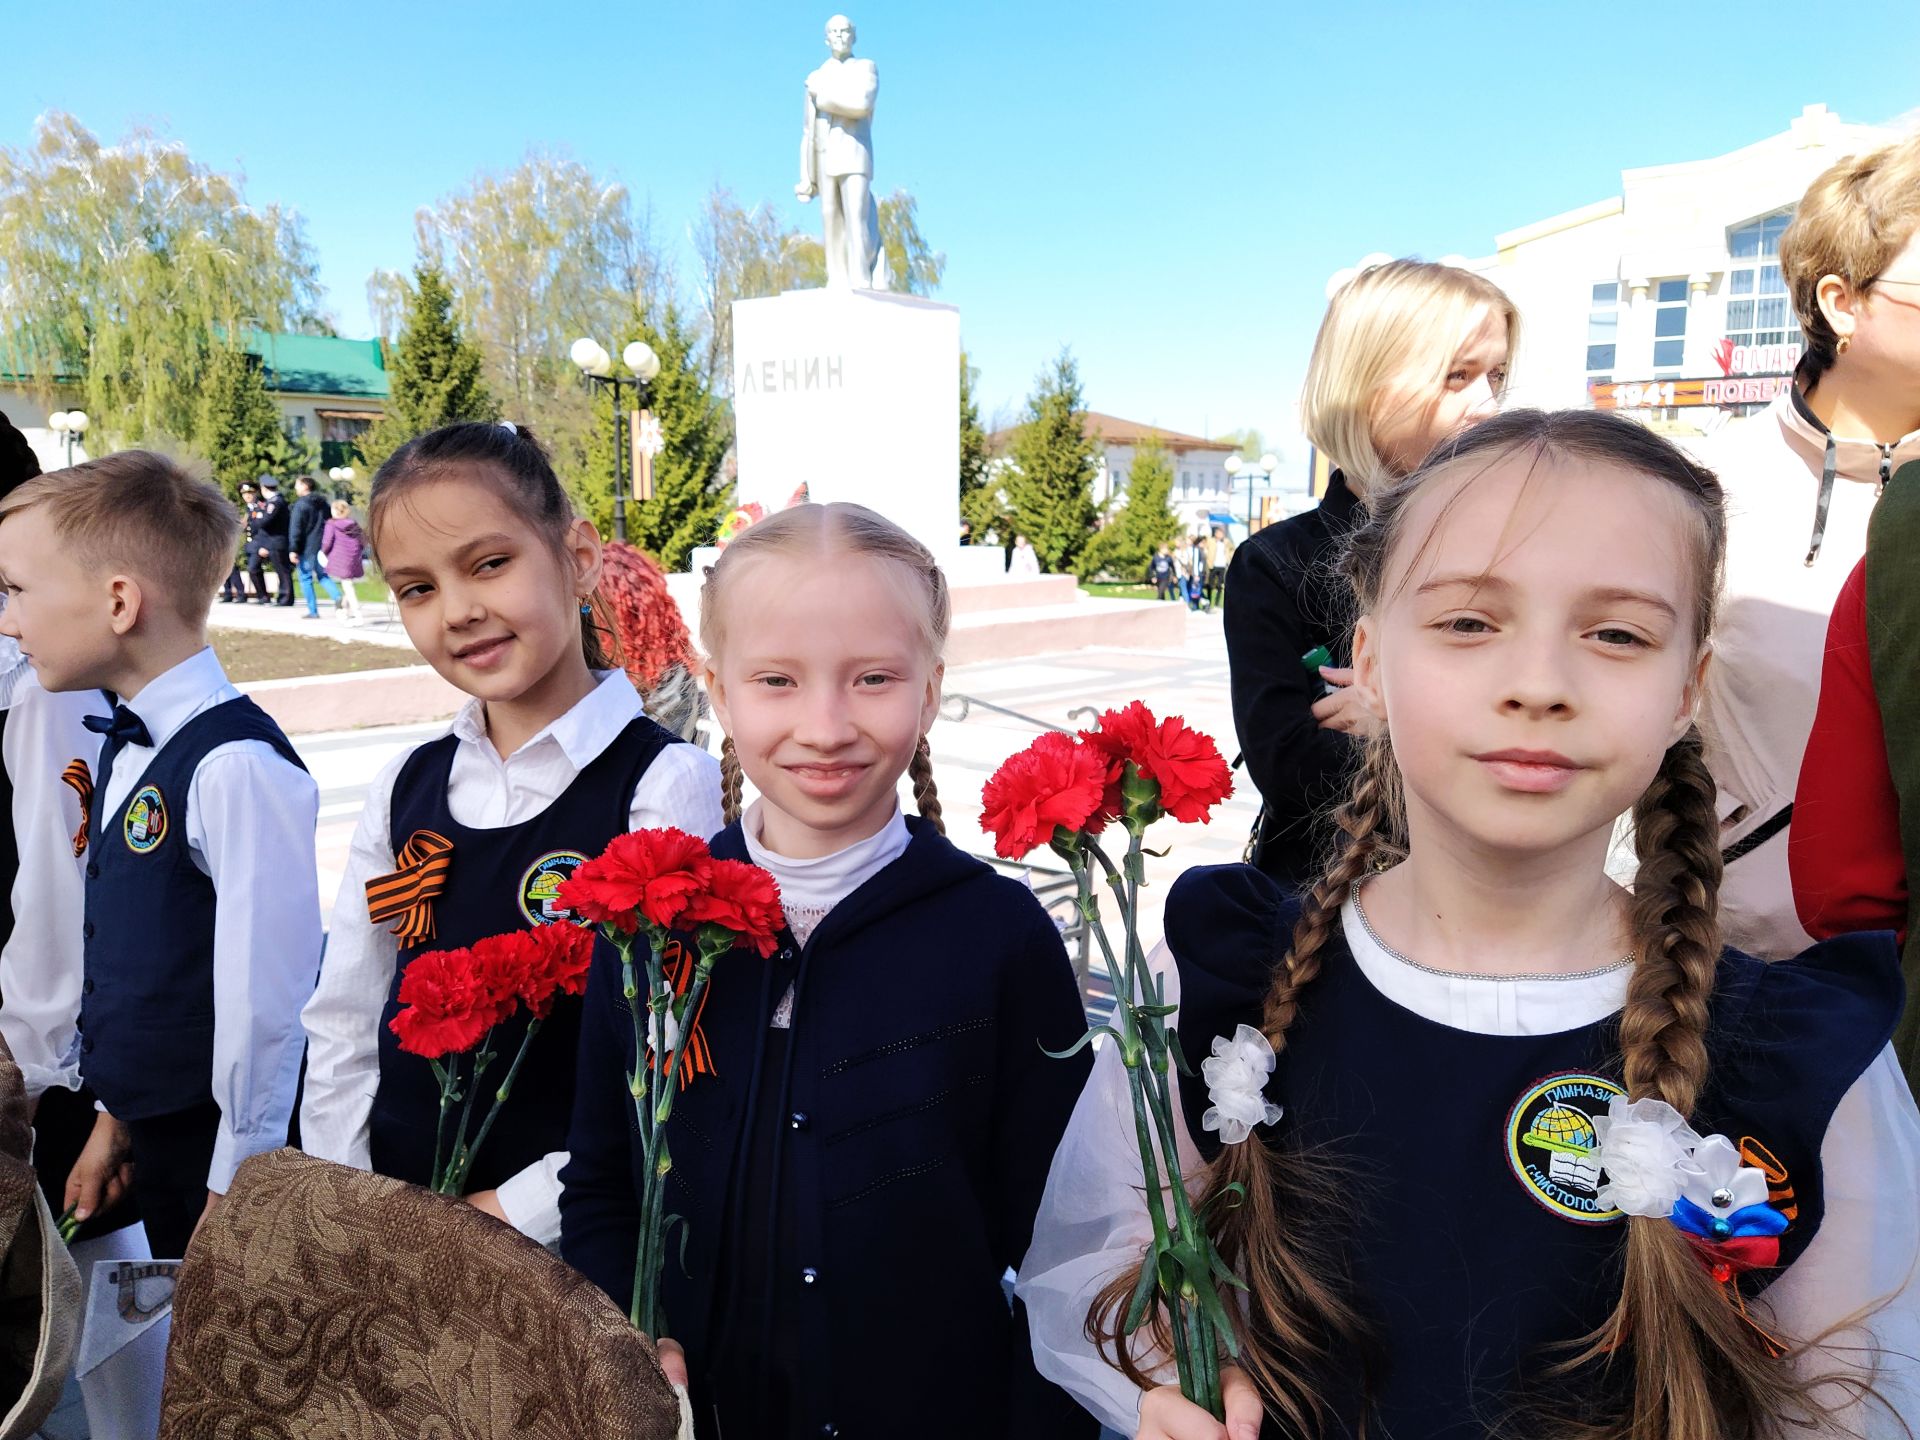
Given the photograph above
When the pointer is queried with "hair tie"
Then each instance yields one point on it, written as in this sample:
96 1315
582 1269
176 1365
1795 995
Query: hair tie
510 427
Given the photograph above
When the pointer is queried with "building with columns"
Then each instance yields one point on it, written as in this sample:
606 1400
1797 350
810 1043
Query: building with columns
1666 299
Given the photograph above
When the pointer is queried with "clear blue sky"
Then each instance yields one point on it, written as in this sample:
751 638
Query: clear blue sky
1164 187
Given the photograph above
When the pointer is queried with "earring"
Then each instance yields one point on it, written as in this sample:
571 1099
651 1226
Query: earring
1845 341
586 607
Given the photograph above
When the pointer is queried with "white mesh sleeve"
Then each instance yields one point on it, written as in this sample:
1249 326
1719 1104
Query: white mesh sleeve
1858 1277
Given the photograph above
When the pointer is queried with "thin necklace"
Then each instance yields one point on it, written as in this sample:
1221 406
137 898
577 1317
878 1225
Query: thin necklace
1360 911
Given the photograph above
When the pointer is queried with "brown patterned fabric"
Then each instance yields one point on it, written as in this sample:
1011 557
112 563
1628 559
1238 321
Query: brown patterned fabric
320 1301
39 1286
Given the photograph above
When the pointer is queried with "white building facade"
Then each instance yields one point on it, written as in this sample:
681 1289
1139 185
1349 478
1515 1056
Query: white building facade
1667 300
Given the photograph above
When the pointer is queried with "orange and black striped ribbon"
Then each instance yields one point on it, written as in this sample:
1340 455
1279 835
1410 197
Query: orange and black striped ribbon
81 779
679 967
407 895
1779 1188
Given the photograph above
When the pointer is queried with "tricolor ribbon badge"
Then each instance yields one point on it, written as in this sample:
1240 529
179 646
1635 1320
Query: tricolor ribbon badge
406 896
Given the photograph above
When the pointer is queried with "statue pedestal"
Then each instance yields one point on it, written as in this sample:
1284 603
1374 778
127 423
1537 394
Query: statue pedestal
854 394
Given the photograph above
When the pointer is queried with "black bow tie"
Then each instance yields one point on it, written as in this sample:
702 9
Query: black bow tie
124 728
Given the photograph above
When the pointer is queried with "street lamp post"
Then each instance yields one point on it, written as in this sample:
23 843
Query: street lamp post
70 423
1262 468
596 368
341 475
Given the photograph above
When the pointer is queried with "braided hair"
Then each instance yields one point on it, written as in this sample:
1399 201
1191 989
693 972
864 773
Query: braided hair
1699 1370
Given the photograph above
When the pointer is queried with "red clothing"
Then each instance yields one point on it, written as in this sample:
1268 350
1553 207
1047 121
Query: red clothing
1844 846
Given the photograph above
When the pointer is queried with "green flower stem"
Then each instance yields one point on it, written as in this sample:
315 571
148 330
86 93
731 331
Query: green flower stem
463 1159
444 1074
1195 1344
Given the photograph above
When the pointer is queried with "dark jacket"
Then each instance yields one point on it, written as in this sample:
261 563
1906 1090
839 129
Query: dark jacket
1286 600
273 523
305 520
912 1125
1469 1231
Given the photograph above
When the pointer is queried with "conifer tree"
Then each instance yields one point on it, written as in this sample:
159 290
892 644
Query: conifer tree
979 490
1050 482
433 372
238 423
690 497
1141 521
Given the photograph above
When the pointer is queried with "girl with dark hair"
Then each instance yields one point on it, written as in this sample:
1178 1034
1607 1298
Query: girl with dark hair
1547 1158
553 756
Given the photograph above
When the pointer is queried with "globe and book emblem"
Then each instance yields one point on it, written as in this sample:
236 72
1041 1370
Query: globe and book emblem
540 886
146 820
1551 1143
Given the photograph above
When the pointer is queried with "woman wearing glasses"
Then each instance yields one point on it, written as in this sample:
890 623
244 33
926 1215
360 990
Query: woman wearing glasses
1801 480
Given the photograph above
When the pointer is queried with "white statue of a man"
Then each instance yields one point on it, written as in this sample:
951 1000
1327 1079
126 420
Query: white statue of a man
836 159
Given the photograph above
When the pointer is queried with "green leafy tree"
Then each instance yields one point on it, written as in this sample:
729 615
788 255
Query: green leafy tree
747 253
238 423
1050 478
913 266
1140 523
295 455
690 495
433 373
121 265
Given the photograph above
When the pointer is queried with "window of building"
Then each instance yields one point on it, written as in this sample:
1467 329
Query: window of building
1759 311
1669 325
1603 330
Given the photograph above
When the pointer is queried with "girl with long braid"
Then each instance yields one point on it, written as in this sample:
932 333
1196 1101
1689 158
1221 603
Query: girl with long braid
1536 1156
860 1154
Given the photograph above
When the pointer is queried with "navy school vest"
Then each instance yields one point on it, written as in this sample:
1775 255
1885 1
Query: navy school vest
499 880
146 1005
1469 1222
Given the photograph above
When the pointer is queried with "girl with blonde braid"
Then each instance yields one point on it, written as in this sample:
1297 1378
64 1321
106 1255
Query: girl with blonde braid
1535 1155
860 1159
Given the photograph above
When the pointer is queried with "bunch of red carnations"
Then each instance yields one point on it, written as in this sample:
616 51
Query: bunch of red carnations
452 1004
1131 769
653 884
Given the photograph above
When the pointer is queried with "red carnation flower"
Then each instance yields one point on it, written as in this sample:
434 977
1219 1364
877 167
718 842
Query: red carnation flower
743 900
1055 783
446 1004
646 877
1182 761
535 967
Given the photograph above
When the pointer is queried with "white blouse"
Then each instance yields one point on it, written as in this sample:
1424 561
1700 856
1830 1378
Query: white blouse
1863 1261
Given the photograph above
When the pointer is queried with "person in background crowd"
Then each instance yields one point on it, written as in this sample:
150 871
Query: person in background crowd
1408 353
1196 571
273 548
1024 560
202 929
1855 839
42 735
1219 555
235 587
344 548
1160 573
1801 480
306 524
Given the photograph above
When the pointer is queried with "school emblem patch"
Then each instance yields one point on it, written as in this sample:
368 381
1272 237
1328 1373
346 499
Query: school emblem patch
1551 1140
540 886
147 820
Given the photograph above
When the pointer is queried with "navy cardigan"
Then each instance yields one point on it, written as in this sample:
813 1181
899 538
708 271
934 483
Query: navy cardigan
916 1120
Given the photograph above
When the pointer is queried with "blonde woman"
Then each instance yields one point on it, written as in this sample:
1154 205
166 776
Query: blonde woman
1408 353
1802 478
